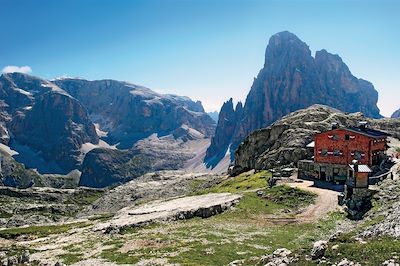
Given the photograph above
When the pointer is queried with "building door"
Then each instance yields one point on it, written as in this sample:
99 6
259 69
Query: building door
322 173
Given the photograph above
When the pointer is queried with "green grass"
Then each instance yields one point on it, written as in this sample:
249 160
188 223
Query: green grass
6 215
289 197
240 183
39 231
102 217
71 258
85 197
374 252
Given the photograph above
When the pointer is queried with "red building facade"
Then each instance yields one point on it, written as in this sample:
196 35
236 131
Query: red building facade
336 149
342 146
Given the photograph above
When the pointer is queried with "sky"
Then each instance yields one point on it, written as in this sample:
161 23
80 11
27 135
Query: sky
207 50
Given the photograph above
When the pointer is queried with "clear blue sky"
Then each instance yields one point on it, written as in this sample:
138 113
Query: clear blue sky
208 50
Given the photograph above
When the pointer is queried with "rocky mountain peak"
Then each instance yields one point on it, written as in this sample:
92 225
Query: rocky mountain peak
285 48
292 79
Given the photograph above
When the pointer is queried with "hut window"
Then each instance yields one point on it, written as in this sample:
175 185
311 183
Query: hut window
347 137
357 155
324 152
337 152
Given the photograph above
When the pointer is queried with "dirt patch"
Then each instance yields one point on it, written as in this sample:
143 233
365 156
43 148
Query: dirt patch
131 245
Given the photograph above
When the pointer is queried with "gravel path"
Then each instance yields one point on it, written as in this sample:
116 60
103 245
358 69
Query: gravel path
326 202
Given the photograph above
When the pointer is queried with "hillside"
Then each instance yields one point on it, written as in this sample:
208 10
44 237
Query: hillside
284 142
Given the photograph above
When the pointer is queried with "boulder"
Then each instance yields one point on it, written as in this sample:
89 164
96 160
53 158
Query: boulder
318 250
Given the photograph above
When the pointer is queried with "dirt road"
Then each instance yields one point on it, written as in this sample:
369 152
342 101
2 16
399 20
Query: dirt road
326 202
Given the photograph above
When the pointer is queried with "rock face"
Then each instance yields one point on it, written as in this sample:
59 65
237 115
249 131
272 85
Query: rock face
43 118
227 120
292 79
285 141
396 114
130 112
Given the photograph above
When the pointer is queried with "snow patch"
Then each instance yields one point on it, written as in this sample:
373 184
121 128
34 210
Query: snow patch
24 92
88 146
8 150
100 132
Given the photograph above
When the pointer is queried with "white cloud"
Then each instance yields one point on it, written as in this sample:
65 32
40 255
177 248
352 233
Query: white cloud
12 69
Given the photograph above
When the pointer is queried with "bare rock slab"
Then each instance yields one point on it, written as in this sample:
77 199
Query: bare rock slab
169 210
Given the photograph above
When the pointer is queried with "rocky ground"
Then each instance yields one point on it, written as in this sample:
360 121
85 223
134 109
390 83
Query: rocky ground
294 223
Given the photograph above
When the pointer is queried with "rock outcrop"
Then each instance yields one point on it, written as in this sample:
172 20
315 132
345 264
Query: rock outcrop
203 206
396 114
285 141
293 79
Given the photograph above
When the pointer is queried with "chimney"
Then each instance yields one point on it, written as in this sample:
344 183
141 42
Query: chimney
335 125
355 163
362 125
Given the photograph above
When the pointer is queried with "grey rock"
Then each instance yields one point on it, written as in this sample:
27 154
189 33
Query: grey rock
318 250
24 257
12 261
282 252
280 257
346 262
390 262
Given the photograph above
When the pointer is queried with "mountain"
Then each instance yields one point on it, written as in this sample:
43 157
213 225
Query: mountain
214 116
396 114
129 112
292 79
43 123
110 130
284 142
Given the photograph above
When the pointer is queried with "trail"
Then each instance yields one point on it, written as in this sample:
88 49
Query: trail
326 202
